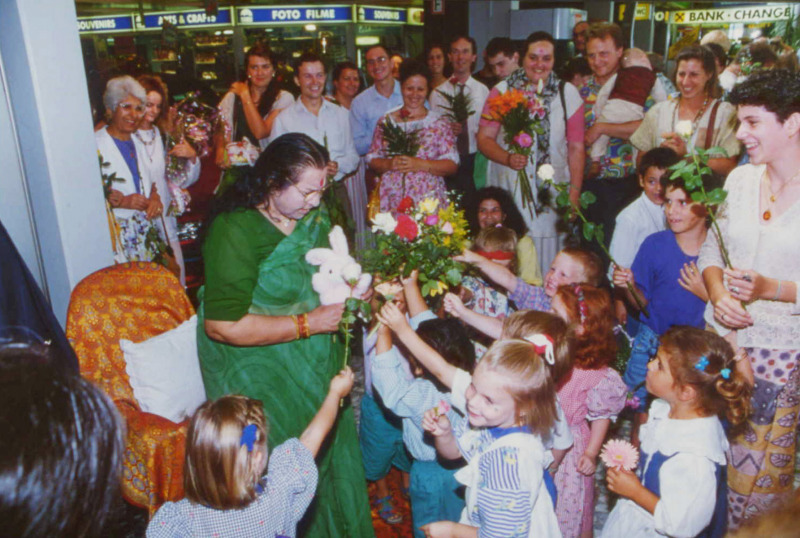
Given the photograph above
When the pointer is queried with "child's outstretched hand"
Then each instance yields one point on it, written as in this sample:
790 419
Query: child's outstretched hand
453 305
435 423
342 383
391 316
587 465
469 256
438 529
410 280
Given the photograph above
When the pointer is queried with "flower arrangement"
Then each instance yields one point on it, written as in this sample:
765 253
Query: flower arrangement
692 170
194 123
424 236
620 455
520 114
398 140
590 230
459 105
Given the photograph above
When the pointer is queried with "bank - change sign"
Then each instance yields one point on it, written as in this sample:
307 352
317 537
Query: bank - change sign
382 14
294 14
183 19
758 13
99 25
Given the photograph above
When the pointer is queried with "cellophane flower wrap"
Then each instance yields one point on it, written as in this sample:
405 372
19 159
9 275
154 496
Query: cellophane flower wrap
423 236
194 123
519 113
620 455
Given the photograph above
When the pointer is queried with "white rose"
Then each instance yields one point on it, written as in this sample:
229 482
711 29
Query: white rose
540 86
384 222
351 273
684 128
546 172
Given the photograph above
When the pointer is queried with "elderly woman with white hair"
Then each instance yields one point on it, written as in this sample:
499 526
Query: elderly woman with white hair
129 188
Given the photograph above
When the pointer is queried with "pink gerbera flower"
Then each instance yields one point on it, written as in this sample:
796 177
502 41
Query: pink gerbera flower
619 454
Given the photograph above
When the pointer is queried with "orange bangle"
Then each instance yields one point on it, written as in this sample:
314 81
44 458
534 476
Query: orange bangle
305 329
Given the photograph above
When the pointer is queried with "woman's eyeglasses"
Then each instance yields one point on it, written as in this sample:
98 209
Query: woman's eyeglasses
308 196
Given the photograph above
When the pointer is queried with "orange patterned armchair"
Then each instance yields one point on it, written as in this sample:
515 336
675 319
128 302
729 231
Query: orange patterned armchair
135 301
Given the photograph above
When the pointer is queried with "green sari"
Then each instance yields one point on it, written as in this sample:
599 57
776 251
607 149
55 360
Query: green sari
293 378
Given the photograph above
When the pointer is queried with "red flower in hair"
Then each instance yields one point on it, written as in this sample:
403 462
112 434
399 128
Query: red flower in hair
405 204
406 227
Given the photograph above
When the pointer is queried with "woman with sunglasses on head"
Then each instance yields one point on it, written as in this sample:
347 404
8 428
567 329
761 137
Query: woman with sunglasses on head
262 332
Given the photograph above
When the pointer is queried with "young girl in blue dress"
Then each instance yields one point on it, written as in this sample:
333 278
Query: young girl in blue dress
680 486
511 407
226 456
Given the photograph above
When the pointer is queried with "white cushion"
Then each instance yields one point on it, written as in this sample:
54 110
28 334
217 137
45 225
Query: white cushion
165 372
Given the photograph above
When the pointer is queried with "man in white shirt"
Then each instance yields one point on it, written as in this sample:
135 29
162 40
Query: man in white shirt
315 116
462 55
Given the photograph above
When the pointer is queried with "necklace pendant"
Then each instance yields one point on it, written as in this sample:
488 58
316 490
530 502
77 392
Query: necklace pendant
766 215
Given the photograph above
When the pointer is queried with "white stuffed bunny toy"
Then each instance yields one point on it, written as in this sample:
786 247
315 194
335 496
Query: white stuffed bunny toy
339 275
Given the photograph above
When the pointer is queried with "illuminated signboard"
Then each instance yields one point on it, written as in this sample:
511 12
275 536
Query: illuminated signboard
753 13
183 19
382 15
98 25
294 14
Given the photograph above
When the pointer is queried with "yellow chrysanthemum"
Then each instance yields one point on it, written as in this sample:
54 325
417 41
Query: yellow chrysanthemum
429 205
440 288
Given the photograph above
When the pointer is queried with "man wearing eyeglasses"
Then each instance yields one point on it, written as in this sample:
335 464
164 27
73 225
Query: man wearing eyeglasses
371 104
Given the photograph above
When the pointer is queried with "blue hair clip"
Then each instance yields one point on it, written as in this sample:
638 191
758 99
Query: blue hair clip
249 433
725 373
702 364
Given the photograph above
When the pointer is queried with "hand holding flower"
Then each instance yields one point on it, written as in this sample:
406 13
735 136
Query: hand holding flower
391 316
623 483
438 425
746 285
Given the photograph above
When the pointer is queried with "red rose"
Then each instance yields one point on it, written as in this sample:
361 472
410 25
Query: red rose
405 204
453 81
404 113
406 227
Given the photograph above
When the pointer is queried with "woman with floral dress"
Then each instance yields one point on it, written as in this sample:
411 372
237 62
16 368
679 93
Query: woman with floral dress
420 175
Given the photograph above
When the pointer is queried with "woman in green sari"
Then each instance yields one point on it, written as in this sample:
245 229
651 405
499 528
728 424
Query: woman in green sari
262 331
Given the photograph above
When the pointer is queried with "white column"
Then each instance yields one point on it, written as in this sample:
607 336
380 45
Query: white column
44 71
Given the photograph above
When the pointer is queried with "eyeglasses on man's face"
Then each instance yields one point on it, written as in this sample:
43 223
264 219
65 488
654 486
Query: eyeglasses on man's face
378 61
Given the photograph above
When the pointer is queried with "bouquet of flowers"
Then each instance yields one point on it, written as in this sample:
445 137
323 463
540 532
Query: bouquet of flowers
194 123
519 114
620 455
459 105
590 230
398 140
424 237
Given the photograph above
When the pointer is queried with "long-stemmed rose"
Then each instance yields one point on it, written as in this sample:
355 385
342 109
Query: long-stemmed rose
590 230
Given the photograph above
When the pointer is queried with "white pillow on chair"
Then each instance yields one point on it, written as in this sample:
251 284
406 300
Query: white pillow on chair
165 372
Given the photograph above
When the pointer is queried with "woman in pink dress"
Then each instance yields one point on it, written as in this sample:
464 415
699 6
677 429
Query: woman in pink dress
591 397
421 175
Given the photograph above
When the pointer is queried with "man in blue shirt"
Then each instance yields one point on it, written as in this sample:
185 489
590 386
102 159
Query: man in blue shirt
370 105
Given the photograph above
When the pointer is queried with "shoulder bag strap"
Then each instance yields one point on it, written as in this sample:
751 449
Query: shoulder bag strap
710 128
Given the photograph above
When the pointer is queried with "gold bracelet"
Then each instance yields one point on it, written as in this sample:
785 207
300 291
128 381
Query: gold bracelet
296 327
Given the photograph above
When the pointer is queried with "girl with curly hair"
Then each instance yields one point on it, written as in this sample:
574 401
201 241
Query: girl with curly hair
592 395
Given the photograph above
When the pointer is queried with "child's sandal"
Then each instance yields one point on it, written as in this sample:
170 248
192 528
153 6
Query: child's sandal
386 510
